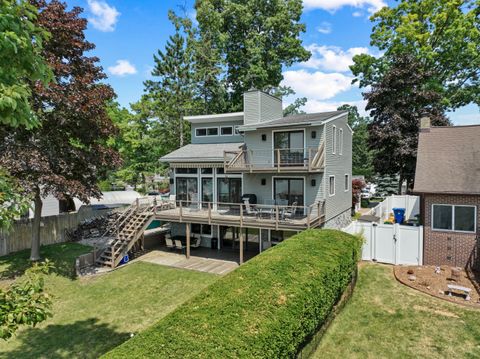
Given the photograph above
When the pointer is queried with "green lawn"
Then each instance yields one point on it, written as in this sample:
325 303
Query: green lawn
385 319
92 316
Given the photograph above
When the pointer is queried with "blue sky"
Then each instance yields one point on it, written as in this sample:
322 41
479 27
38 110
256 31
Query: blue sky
127 33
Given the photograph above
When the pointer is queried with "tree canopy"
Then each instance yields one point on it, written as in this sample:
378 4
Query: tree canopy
21 61
442 35
67 154
397 103
253 40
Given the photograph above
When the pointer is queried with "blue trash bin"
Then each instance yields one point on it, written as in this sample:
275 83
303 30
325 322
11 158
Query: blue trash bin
125 259
399 214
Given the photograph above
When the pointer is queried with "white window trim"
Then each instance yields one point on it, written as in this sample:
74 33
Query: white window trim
453 218
329 186
340 142
334 139
348 182
222 127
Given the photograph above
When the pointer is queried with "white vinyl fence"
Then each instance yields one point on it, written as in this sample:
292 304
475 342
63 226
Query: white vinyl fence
410 203
390 243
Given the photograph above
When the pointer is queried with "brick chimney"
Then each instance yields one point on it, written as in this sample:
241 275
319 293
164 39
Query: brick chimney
425 123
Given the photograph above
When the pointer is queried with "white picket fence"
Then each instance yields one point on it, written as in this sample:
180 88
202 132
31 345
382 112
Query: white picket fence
390 243
410 203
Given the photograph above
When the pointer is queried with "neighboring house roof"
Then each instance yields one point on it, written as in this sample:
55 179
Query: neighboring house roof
295 120
205 152
111 198
448 160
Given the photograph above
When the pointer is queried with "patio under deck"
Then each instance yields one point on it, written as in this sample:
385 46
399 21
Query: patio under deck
201 259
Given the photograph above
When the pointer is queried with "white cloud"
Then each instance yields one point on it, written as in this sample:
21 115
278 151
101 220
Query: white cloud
105 16
357 14
316 85
325 28
332 58
333 5
122 68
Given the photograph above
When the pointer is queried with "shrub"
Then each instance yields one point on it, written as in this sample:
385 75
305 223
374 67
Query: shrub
267 308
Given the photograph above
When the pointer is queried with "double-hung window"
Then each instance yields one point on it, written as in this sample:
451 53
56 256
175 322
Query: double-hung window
334 139
331 185
447 217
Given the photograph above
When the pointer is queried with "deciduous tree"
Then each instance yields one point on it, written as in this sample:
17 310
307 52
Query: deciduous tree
442 35
397 102
67 154
20 61
255 39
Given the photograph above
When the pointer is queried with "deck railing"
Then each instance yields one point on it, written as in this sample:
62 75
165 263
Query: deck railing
272 216
279 159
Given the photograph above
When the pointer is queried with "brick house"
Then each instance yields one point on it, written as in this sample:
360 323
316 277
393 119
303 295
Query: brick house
447 178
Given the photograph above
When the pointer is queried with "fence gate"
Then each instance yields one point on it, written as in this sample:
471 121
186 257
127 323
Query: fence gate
390 243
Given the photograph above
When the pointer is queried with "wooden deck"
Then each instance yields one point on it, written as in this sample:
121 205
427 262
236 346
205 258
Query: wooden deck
271 218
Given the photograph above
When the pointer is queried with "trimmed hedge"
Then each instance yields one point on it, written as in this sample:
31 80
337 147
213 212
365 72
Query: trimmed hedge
267 308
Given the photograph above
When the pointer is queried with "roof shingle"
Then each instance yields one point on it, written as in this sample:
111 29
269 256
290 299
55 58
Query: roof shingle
448 160
211 152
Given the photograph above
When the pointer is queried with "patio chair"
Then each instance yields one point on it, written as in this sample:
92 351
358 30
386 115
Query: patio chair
193 206
197 242
169 243
172 201
289 212
250 211
179 245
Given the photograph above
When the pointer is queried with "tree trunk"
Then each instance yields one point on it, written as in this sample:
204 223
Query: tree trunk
181 131
35 251
400 182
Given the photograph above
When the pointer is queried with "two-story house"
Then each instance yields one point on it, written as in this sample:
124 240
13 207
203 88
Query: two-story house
257 173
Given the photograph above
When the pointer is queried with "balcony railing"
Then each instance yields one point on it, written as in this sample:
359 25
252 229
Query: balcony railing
311 159
242 215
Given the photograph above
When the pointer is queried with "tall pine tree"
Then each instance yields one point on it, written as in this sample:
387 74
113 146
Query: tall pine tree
171 96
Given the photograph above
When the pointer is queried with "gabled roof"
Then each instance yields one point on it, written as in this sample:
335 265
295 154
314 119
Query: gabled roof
295 120
448 160
205 152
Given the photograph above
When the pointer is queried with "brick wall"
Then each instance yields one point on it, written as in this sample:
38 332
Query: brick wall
447 247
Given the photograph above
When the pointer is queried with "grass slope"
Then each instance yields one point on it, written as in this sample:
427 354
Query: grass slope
95 315
385 319
266 308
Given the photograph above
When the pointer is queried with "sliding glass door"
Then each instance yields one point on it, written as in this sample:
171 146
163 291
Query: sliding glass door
187 189
289 190
207 191
289 145
229 190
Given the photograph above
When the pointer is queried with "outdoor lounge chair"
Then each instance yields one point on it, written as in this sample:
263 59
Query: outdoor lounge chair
169 243
172 201
289 212
197 242
249 210
179 245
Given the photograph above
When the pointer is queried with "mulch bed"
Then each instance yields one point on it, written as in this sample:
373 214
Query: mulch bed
424 279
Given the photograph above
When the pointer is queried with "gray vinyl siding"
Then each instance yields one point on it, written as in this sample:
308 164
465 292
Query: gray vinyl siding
338 165
260 107
216 139
252 183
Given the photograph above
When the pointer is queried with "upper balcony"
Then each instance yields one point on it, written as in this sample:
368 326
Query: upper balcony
307 159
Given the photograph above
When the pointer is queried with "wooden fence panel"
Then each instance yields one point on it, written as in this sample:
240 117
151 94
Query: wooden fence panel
52 229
